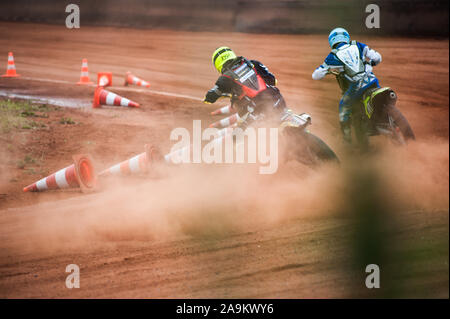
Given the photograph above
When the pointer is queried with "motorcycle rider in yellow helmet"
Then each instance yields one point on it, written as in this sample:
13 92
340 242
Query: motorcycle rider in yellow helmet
249 82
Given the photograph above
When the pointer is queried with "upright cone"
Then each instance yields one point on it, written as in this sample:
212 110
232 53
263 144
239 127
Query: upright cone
80 174
84 78
11 68
104 97
138 164
224 110
230 120
131 79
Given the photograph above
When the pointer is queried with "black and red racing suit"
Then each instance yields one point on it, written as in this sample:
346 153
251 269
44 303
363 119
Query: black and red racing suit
250 83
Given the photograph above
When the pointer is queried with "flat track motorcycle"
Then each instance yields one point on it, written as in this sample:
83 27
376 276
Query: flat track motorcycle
299 143
376 113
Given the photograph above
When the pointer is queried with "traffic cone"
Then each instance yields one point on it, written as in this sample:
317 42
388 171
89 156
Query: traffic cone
84 78
102 96
80 174
138 164
131 79
230 120
11 68
104 79
224 110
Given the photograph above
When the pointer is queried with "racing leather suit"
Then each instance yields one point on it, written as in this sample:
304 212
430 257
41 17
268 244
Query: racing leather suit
250 83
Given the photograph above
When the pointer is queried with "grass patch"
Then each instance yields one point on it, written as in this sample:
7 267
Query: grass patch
19 115
35 171
66 120
26 160
33 125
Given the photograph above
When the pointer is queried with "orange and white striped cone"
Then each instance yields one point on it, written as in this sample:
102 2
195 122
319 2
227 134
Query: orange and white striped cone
11 68
84 78
80 174
224 110
140 163
104 79
104 97
131 79
228 121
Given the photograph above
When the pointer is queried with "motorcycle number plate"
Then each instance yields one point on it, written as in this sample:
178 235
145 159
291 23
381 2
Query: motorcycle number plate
350 57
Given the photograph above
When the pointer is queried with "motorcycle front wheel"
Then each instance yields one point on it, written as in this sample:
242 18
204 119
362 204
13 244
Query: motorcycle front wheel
320 148
308 148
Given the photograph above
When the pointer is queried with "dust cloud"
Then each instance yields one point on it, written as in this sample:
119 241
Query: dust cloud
211 201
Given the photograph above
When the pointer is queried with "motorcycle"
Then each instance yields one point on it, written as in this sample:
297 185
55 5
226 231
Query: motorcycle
299 143
376 114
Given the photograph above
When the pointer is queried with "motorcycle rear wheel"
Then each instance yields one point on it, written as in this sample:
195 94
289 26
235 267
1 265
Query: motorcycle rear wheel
401 122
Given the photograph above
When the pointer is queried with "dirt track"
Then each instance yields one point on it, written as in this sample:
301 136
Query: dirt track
198 232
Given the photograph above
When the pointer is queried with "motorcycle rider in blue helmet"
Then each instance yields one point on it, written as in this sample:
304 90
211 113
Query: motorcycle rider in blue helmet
351 62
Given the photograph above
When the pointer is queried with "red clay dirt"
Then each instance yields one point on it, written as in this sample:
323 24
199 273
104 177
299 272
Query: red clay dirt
200 232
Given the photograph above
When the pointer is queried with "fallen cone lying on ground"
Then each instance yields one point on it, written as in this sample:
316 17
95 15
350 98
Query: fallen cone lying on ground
84 77
104 97
131 79
138 164
11 68
80 174
104 79
230 120
224 110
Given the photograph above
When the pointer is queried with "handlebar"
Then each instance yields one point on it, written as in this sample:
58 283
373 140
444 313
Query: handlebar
333 71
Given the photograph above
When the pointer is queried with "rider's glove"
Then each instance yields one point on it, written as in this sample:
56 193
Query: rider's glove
368 68
210 97
319 73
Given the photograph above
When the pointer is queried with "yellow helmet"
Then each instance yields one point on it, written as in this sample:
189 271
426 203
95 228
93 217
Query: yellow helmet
221 56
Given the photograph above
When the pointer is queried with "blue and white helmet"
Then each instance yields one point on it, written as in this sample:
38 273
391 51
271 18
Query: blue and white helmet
338 35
